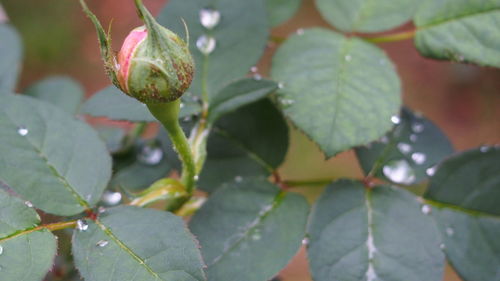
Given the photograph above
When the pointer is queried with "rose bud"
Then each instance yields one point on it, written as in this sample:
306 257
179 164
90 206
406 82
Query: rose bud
154 64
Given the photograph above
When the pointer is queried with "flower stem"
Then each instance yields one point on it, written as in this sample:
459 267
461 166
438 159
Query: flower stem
167 114
392 37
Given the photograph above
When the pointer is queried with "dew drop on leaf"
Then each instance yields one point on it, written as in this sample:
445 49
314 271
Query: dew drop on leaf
442 246
395 119
111 198
1 249
82 225
281 85
257 76
413 137
28 203
238 179
426 209
254 69
348 57
151 154
399 171
417 127
22 131
209 18
196 178
102 243
206 44
256 235
305 241
431 171
404 147
419 158
450 231
300 31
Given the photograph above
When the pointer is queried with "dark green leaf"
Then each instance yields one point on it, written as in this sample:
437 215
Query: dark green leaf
129 243
340 91
372 234
366 16
49 157
249 142
10 58
249 230
113 104
61 91
406 154
459 30
238 94
281 10
112 136
241 36
24 254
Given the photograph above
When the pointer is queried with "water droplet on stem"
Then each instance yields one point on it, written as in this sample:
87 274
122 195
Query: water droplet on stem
209 18
206 44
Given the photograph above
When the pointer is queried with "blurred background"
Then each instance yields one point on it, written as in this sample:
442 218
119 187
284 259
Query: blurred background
463 100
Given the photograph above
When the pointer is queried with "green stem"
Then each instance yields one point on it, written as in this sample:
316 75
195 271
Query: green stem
392 37
167 114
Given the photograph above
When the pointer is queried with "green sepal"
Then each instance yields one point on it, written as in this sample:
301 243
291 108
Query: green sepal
107 53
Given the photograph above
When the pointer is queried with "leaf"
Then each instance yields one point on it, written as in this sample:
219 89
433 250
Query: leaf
238 94
372 234
249 230
340 91
280 11
236 151
459 30
129 243
465 193
113 104
366 16
241 36
50 158
407 153
10 58
61 91
25 252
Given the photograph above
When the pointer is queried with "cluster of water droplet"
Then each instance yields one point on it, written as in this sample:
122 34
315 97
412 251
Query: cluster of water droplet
209 19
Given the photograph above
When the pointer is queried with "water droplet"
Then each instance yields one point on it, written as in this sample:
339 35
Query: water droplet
384 139
413 138
257 76
426 209
111 198
287 102
238 179
187 118
254 69
102 243
450 231
281 85
23 131
151 154
419 158
404 147
1 249
101 210
209 17
395 119
300 31
417 127
196 178
206 44
431 171
181 105
484 148
399 171
442 246
28 203
82 225
348 57
305 241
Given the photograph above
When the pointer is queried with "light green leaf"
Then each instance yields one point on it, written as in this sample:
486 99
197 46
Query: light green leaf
110 102
281 10
61 91
249 230
10 58
240 39
379 234
25 253
237 151
408 153
50 158
129 243
459 30
340 91
366 16
238 94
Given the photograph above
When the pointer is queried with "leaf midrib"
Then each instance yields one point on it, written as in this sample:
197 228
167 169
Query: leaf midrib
457 18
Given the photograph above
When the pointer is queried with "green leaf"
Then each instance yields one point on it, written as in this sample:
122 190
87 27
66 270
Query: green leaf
372 234
129 243
366 16
407 153
238 94
241 36
50 158
236 151
110 102
25 253
470 180
459 30
249 230
340 91
61 91
10 58
281 10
